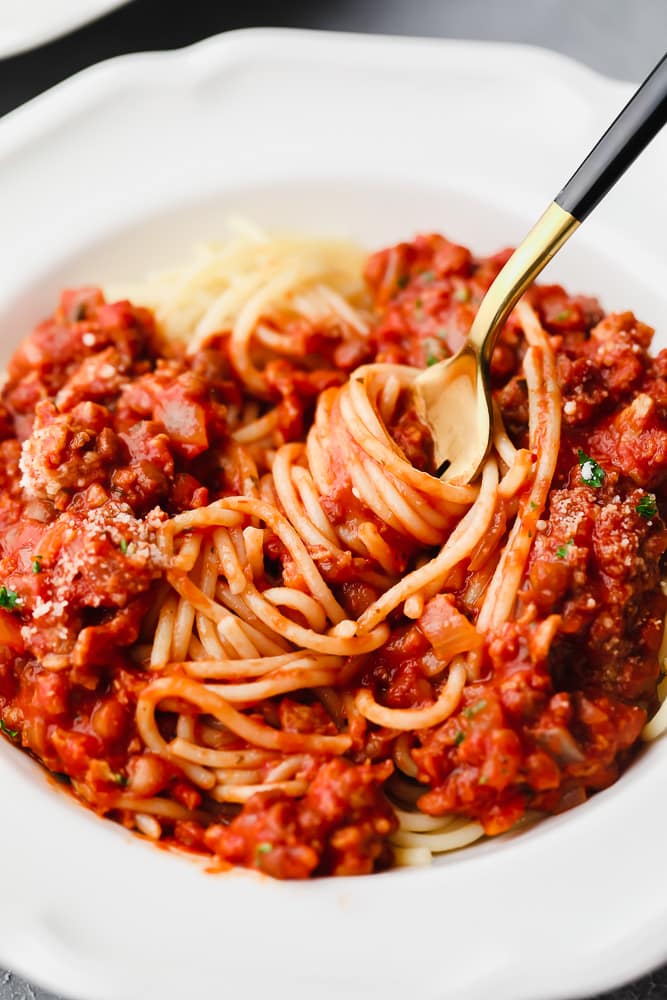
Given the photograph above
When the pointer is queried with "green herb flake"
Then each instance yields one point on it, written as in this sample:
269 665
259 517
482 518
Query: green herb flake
563 316
459 738
562 550
8 599
123 546
461 294
402 280
647 507
264 848
120 779
532 505
432 349
483 779
418 305
12 733
37 564
591 473
473 710
427 277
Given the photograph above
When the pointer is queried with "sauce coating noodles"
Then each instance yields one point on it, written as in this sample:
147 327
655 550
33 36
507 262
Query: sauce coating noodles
239 613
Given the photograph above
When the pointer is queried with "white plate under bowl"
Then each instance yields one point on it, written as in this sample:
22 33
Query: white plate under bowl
121 170
25 24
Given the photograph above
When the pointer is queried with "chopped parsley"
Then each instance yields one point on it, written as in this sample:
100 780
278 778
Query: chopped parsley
647 507
8 599
402 280
12 733
263 848
120 779
123 546
461 294
483 779
418 305
591 473
562 550
37 564
473 710
563 316
427 276
459 738
432 350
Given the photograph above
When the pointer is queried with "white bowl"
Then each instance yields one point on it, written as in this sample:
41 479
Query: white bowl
120 170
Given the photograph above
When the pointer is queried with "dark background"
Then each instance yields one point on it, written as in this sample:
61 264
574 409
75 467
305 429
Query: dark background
622 38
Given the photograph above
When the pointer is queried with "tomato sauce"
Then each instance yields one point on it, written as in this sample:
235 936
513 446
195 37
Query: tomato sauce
566 689
106 431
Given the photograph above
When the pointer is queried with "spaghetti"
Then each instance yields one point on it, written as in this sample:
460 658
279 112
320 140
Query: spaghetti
241 614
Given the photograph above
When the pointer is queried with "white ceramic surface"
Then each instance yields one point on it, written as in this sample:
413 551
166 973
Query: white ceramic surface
120 170
24 24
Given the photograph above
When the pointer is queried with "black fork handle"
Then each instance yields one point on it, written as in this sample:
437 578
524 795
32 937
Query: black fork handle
640 121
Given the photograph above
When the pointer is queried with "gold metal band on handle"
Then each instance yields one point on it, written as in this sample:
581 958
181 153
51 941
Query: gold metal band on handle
535 251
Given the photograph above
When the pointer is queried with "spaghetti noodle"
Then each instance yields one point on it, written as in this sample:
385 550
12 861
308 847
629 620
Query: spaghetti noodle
241 614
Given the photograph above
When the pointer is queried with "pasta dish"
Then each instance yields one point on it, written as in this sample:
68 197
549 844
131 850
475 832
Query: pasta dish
240 614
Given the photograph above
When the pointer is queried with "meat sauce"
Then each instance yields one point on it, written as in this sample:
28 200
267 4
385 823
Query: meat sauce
567 687
106 431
